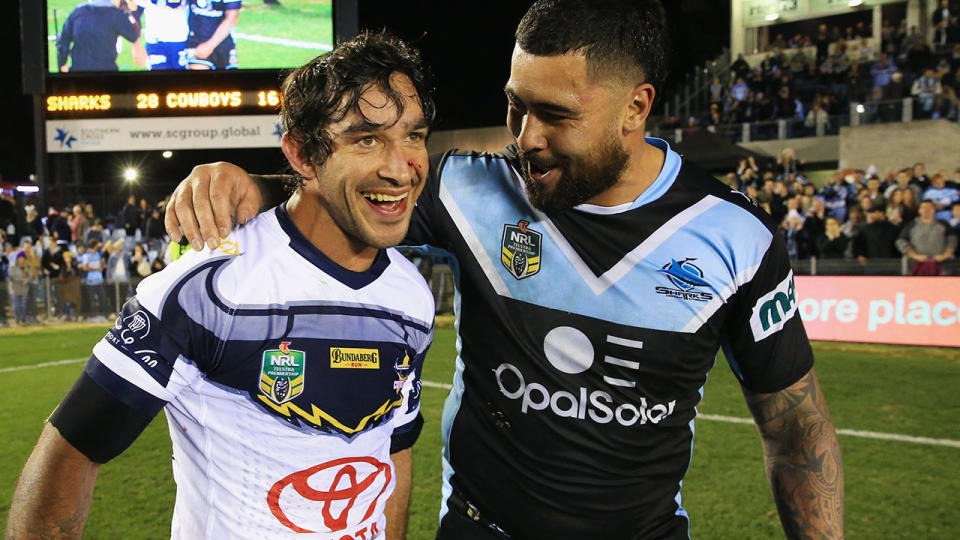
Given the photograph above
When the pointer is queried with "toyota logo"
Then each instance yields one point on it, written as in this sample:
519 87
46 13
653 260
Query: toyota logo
349 494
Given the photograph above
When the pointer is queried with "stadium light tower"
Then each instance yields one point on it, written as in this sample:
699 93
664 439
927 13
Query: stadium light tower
130 174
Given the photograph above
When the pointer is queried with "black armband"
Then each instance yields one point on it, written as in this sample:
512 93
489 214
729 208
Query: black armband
401 440
97 424
271 188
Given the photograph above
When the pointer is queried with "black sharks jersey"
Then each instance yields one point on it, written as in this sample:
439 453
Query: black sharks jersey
284 378
585 339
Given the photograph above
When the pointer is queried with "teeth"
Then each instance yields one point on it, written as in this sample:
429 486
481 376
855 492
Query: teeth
382 197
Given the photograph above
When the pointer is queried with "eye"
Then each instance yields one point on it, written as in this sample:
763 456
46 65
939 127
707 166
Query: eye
417 136
367 141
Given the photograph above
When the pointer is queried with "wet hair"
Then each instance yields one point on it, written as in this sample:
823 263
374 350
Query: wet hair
327 88
627 39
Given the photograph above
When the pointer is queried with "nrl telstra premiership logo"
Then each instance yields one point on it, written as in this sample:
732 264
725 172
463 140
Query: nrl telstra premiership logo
520 249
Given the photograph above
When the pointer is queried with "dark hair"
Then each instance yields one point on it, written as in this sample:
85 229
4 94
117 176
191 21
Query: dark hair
626 38
327 88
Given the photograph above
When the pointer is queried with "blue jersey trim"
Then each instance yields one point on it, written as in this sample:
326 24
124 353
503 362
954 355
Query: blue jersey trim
667 176
300 244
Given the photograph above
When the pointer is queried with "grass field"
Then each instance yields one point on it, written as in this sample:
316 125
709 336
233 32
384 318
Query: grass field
894 489
296 20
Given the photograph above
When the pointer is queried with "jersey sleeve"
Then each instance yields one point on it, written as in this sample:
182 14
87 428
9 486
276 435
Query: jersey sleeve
132 372
407 421
764 340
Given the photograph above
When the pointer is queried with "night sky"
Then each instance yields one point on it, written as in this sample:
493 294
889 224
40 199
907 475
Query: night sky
467 44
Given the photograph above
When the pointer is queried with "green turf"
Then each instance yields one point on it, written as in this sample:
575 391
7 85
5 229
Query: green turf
299 20
894 490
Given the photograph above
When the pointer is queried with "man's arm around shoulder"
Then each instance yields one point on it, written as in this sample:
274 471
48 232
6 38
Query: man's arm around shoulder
53 495
802 457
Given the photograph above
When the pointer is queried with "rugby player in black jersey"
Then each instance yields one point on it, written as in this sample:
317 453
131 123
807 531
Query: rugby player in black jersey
599 274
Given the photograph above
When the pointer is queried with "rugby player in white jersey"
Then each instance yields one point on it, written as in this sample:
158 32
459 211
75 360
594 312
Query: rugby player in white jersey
287 358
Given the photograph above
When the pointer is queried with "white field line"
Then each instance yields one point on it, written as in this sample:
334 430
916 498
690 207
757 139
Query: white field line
712 417
284 42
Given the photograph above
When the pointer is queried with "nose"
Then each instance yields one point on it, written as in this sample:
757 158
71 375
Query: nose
398 165
531 135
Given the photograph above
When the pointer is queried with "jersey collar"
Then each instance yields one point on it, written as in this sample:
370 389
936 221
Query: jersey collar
306 249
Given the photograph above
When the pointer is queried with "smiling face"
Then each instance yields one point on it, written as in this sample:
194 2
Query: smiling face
369 184
567 127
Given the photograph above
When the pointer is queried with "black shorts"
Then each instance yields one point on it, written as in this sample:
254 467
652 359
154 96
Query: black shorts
222 57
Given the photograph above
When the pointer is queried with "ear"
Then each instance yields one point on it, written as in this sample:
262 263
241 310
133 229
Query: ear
638 108
293 151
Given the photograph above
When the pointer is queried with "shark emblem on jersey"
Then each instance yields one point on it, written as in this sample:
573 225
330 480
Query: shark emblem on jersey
685 276
281 373
520 249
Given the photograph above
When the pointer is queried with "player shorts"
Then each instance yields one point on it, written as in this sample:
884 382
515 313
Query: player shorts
223 57
167 55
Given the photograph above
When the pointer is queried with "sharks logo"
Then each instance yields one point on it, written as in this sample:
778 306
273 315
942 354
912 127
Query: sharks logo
685 277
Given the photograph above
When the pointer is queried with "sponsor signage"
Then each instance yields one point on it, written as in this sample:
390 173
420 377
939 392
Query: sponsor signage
171 133
897 310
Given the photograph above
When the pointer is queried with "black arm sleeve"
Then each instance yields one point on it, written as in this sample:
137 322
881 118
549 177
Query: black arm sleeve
96 423
401 440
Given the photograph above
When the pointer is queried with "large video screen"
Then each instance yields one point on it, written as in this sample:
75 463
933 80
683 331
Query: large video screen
163 35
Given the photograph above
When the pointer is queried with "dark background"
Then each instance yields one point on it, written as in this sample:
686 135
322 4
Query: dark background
467 45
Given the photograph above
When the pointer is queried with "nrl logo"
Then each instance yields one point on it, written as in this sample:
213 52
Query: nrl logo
520 249
281 373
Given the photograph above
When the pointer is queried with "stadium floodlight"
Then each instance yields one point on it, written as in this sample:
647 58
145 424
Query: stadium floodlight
28 189
130 174
855 3
167 154
860 108
772 17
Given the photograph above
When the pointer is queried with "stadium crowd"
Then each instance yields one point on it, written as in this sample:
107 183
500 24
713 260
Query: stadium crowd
858 214
812 79
79 264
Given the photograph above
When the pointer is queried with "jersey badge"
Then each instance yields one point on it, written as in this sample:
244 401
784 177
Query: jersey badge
686 278
520 249
402 367
347 358
281 374
229 247
774 309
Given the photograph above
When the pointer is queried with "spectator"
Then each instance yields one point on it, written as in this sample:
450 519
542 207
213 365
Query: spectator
928 92
927 241
68 288
717 91
35 229
941 195
33 272
797 240
18 279
895 206
154 233
855 222
51 263
140 262
954 220
877 239
920 178
116 272
882 70
59 228
816 117
832 243
941 20
740 67
910 206
4 291
130 216
91 267
834 194
873 191
95 232
815 218
78 224
822 43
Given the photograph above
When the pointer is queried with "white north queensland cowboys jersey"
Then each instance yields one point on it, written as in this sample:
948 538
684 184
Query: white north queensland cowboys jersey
283 377
163 23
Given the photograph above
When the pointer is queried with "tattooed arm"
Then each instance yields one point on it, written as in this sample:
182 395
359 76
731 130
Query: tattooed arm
802 458
53 495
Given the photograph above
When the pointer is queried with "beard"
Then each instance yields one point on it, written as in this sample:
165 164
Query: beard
581 178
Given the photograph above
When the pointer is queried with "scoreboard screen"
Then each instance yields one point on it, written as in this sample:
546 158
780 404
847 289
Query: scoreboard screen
184 35
162 103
